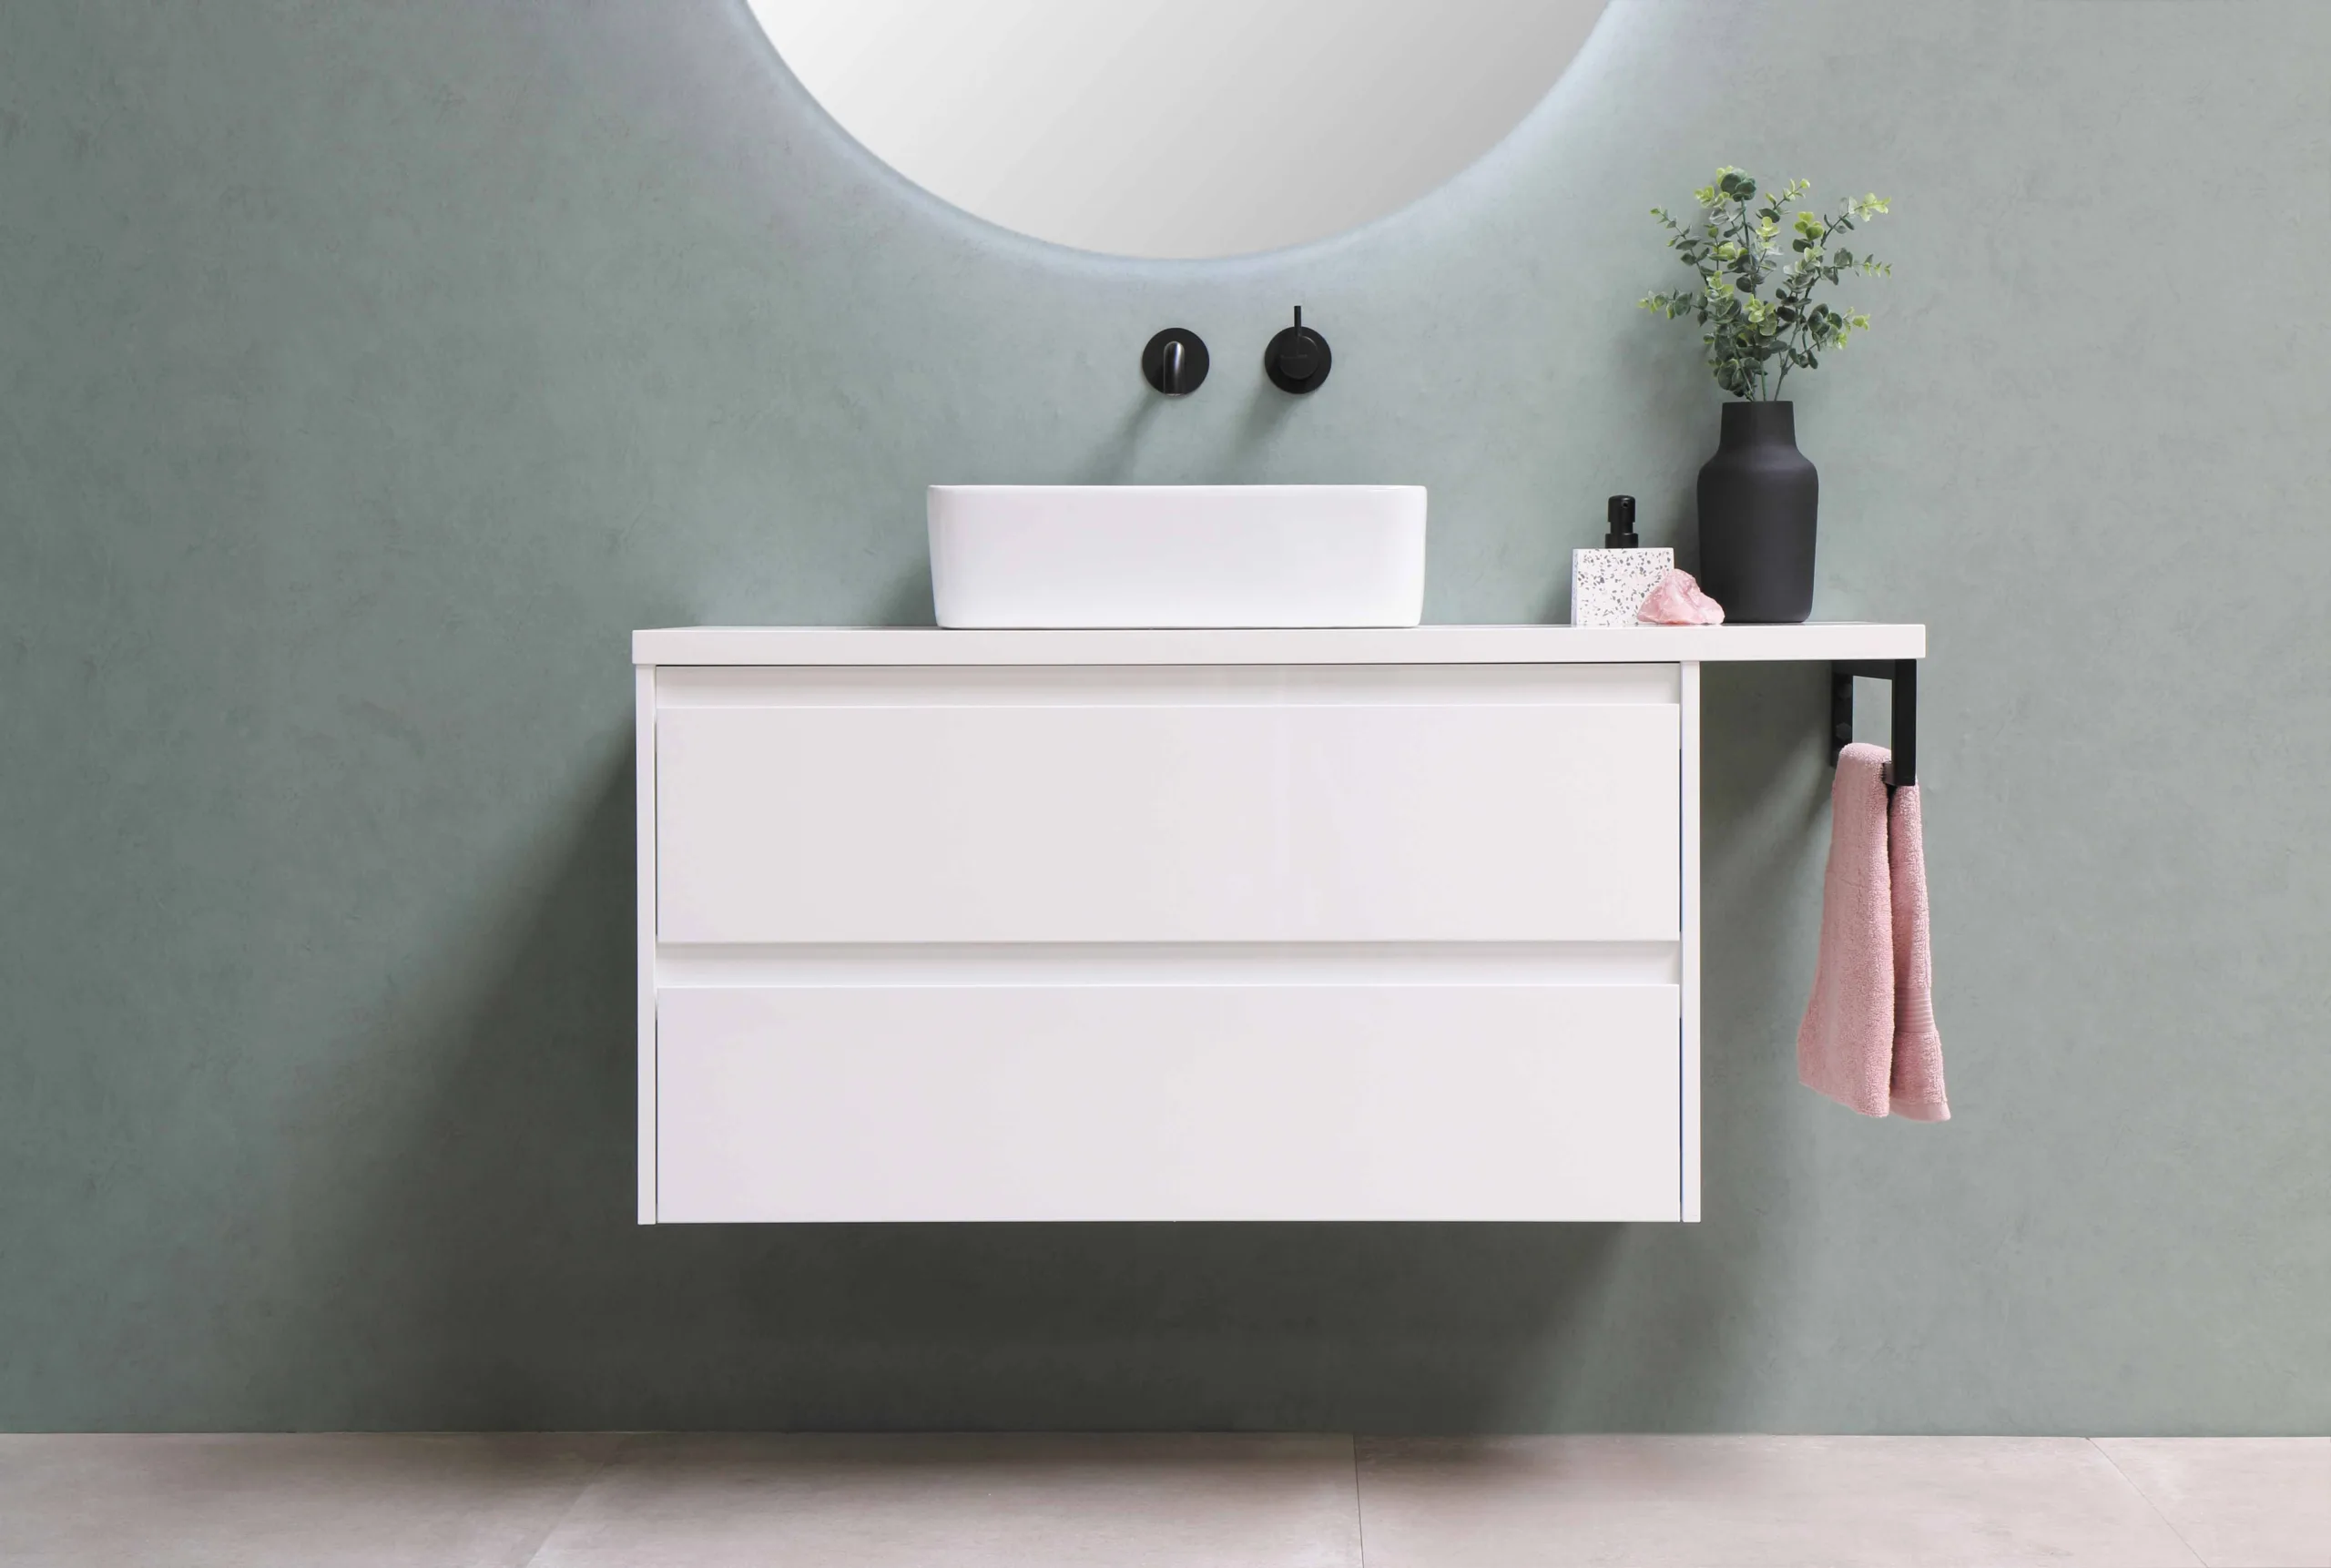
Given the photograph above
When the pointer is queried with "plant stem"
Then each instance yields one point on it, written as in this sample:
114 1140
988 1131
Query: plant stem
1756 380
1803 312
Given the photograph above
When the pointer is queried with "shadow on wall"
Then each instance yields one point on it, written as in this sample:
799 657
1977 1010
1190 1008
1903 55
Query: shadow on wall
494 1271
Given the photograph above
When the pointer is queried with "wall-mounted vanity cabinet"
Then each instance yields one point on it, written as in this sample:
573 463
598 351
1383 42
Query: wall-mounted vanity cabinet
1201 925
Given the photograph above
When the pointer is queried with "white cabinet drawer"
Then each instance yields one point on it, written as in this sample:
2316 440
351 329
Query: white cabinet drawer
1268 1102
1496 803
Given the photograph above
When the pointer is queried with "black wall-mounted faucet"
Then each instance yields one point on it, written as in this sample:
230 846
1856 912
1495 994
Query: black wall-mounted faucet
1175 362
1296 360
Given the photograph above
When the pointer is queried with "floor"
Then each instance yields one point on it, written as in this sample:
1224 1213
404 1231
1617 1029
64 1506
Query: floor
1161 1501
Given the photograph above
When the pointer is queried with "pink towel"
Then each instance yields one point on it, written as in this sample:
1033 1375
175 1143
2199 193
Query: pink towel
1869 1039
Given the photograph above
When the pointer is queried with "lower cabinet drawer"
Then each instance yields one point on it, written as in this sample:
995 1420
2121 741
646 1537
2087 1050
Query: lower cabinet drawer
1186 1102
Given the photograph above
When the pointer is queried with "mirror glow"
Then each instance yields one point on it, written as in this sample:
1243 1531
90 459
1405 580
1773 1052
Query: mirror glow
1177 128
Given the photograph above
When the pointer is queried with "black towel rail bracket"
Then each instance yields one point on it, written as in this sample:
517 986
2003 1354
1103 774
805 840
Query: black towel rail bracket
1903 673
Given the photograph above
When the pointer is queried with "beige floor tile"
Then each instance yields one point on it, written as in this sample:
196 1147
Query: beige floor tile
1024 1502
1746 1502
2240 1503
341 1501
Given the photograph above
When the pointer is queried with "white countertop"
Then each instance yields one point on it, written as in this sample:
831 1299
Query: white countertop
1818 641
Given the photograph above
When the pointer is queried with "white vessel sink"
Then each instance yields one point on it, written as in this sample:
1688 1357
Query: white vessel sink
1177 554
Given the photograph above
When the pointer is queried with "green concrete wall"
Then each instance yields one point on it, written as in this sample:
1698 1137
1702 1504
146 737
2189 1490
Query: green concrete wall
368 371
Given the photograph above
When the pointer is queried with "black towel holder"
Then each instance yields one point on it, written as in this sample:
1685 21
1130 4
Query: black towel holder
1904 674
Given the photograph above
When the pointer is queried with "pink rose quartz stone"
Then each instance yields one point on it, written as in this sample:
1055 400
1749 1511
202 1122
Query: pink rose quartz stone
1678 602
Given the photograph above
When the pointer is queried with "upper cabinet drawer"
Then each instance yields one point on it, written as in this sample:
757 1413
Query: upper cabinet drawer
1036 805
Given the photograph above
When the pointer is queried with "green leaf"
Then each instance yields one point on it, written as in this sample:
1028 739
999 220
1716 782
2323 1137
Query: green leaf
1753 306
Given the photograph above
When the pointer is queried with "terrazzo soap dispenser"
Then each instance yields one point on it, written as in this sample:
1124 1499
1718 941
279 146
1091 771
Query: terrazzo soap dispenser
1608 586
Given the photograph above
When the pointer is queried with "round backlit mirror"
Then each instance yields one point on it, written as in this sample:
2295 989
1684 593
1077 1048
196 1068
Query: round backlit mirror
1177 128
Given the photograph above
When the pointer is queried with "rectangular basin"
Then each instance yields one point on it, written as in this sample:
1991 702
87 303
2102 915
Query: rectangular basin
1177 554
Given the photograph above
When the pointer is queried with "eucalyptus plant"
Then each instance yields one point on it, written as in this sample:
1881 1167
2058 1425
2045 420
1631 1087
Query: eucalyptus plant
1756 309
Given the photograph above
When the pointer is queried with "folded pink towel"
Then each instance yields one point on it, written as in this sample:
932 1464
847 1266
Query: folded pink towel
1869 1039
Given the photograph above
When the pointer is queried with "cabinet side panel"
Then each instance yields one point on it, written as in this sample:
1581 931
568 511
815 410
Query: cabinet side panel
644 728
1689 797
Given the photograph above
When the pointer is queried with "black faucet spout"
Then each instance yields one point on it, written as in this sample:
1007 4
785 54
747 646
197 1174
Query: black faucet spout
1175 361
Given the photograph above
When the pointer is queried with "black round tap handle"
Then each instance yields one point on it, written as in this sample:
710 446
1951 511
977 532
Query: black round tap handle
1296 360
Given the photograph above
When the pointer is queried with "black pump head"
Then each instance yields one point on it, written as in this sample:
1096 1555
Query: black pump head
1621 514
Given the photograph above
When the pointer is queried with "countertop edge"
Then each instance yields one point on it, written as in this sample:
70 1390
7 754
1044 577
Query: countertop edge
1814 641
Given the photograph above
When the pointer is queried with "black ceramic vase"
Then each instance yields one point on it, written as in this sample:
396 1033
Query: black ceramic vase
1758 496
